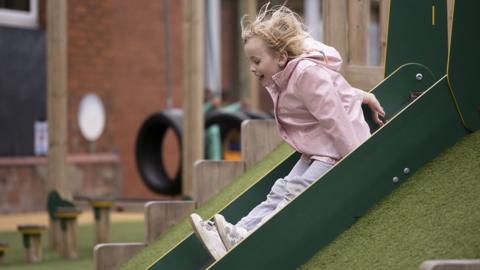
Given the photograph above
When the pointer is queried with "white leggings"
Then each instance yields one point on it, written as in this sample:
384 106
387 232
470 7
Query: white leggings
284 190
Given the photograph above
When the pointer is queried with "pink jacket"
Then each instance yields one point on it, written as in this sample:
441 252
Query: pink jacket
317 111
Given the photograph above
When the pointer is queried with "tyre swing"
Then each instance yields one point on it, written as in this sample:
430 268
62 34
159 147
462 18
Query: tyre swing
150 139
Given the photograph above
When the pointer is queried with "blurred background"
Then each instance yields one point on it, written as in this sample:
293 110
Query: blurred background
124 63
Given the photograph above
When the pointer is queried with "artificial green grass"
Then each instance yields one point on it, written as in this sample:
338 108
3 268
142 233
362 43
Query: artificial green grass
182 230
434 215
120 232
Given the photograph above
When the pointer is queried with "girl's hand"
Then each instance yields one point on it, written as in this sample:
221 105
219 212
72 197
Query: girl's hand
375 107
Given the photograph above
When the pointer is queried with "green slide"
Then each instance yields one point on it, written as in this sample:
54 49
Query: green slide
426 113
433 122
190 254
417 33
348 190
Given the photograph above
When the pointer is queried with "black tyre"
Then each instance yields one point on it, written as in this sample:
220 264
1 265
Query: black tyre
148 151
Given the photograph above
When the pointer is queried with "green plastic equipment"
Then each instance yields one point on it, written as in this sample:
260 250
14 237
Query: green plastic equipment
427 113
431 123
190 254
417 33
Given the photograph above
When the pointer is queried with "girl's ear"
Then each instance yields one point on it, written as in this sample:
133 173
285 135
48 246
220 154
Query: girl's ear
282 59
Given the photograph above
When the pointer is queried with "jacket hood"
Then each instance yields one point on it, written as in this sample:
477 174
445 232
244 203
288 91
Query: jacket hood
316 52
325 55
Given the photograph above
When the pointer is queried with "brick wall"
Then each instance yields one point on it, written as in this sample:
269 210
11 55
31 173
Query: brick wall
23 181
115 50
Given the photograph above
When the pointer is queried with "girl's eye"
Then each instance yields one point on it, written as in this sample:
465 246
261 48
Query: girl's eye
255 60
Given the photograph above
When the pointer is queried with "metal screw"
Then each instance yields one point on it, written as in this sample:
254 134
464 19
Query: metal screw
406 170
395 179
419 76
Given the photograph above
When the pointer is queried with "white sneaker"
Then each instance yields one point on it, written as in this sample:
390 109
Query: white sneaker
208 235
229 233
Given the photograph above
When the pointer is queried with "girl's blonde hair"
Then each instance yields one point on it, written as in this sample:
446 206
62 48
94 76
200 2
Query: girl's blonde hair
279 27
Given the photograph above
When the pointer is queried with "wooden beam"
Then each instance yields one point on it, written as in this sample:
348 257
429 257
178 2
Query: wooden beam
57 96
211 176
248 82
364 77
161 215
384 15
358 20
253 88
193 87
113 256
335 27
259 138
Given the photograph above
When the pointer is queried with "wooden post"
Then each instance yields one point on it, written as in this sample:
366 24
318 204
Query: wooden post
53 234
57 96
335 27
101 214
252 81
113 256
358 20
57 105
212 176
3 247
32 241
161 215
259 138
364 77
67 217
384 15
193 122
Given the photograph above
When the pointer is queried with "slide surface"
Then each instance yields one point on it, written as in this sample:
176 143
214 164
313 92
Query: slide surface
419 128
395 93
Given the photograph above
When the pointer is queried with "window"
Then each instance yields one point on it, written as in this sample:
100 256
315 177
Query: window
19 13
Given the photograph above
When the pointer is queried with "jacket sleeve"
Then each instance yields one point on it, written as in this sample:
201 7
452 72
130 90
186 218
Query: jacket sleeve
315 89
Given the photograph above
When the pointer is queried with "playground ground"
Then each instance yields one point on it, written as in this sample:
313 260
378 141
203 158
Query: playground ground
125 227
9 222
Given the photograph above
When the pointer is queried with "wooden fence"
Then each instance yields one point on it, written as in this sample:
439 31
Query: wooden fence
346 27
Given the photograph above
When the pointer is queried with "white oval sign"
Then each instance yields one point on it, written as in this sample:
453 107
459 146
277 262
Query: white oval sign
91 117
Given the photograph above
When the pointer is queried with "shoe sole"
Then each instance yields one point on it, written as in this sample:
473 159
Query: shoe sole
194 220
219 219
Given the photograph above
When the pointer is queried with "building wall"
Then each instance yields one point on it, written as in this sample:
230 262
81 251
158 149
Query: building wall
23 181
115 50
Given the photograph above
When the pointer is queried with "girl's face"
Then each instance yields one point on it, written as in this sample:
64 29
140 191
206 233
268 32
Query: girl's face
264 62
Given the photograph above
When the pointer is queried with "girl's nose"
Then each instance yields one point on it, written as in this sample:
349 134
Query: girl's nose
252 68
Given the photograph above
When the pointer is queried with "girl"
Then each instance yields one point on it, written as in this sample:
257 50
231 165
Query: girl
317 112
